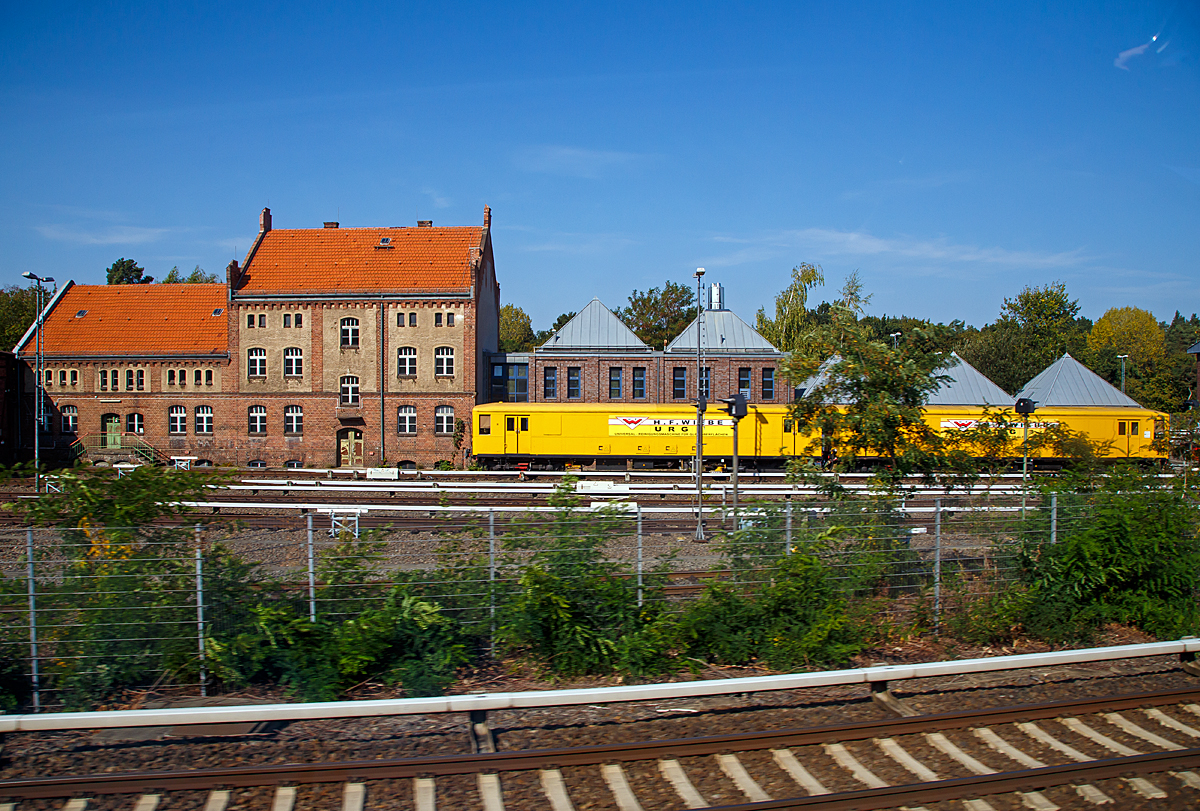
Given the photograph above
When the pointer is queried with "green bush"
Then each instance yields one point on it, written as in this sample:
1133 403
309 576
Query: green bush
798 618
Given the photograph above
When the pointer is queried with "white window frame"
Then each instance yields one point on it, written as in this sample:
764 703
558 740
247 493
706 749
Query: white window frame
406 419
349 392
293 420
177 420
135 423
204 419
70 419
256 363
293 362
350 335
443 361
256 420
406 361
443 420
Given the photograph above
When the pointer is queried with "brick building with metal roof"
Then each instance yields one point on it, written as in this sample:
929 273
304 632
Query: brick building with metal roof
328 346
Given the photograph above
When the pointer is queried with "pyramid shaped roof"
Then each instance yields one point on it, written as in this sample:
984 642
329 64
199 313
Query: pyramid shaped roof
967 386
723 332
1067 382
595 328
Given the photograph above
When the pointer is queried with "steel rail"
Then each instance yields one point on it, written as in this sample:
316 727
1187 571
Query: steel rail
526 760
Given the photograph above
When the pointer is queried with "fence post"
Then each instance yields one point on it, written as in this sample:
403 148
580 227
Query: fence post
937 564
200 614
1054 518
639 554
492 579
787 538
312 575
34 673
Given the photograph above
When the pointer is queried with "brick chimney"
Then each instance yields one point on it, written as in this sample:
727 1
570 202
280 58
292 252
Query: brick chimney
332 224
264 221
232 271
487 217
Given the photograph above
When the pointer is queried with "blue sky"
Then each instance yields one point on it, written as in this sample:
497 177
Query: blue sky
952 153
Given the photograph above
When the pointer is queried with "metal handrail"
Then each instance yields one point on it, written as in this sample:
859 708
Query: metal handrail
129 441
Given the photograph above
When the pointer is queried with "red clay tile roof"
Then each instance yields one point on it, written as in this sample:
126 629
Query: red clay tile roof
348 260
137 319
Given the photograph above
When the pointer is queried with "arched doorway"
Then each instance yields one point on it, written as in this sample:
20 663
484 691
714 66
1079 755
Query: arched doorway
350 447
110 431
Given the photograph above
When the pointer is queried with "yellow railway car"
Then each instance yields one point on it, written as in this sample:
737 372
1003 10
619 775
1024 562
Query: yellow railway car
643 437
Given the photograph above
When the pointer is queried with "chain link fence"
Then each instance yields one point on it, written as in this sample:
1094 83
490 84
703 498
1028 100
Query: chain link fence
92 609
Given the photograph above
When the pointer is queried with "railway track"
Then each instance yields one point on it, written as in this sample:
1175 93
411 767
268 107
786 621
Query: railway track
1122 750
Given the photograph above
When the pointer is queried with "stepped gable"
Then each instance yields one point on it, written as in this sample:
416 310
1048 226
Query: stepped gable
967 386
134 320
1067 382
595 329
723 332
337 260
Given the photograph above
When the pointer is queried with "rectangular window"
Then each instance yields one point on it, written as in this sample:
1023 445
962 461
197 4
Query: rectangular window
443 361
197 377
449 319
141 379
349 332
170 377
74 377
516 383
49 377
204 419
437 319
208 377
573 387
406 361
287 319
256 365
679 383
485 424
116 380
293 362
257 420
399 319
406 420
129 380
183 377
134 424
62 377
1120 429
250 321
262 320
299 320
412 319
744 383
639 382
768 384
615 374
293 419
349 391
550 383
177 420
1133 429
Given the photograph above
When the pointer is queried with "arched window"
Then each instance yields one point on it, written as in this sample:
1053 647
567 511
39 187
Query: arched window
134 424
350 332
204 419
258 419
70 419
256 463
170 377
198 377
293 361
49 377
443 360
406 365
406 420
177 420
349 391
293 420
256 364
443 420
62 377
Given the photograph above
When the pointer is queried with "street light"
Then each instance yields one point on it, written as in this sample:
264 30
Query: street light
700 406
40 362
1122 357
895 336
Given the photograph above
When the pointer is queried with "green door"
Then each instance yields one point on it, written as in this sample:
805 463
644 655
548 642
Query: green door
110 431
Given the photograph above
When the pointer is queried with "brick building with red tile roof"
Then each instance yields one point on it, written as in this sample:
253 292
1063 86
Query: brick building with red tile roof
327 347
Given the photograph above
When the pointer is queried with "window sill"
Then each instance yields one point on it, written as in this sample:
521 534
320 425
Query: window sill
256 433
292 434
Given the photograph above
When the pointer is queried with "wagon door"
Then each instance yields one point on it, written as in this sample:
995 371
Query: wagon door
516 430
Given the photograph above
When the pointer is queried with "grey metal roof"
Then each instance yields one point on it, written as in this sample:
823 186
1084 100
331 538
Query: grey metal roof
967 386
723 332
595 328
1067 382
1194 349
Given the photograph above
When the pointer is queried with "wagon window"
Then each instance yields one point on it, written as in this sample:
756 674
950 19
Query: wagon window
510 424
1121 428
485 424
524 423
1133 429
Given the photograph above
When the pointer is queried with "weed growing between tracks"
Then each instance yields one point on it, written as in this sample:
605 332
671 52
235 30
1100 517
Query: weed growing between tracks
809 585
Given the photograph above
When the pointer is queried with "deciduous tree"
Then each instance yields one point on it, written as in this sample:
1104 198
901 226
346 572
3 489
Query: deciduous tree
659 315
18 309
1129 331
792 316
197 276
516 330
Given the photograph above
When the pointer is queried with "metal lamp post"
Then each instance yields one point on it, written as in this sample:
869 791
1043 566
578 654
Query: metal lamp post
40 362
701 403
895 336
1122 357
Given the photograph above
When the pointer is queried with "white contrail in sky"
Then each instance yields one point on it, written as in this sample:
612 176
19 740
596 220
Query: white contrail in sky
1125 56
